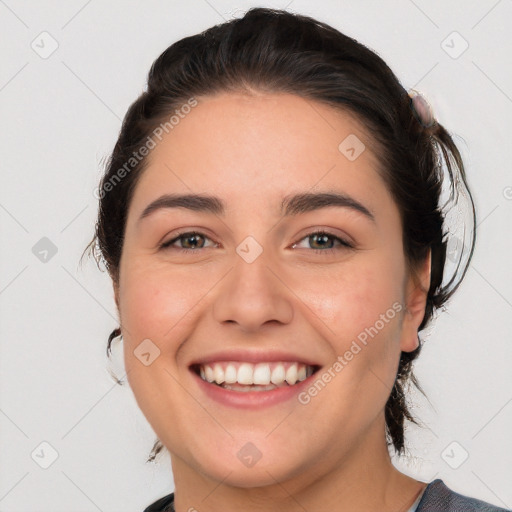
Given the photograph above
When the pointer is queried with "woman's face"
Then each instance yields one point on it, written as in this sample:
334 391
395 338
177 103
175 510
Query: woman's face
266 280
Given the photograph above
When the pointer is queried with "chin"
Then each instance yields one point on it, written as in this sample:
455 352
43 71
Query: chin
262 476
242 467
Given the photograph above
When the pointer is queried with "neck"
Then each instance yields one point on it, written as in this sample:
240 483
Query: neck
362 479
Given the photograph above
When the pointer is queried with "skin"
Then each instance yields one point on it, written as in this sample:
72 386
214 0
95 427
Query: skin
251 151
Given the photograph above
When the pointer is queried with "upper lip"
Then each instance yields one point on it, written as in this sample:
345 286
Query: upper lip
257 356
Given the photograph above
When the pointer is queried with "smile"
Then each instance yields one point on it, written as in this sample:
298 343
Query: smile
262 376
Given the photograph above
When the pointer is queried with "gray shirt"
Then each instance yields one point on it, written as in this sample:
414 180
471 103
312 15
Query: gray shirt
439 498
435 498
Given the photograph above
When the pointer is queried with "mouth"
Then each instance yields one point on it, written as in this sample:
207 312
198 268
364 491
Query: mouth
239 376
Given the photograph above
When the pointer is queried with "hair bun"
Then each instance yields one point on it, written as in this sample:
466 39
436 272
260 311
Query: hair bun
422 109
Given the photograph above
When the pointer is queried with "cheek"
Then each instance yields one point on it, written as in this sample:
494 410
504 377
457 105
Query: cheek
354 297
155 304
360 307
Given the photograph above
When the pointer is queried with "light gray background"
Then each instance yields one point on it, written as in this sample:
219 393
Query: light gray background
60 116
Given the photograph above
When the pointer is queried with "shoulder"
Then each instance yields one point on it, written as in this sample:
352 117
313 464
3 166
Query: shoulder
436 498
165 504
439 498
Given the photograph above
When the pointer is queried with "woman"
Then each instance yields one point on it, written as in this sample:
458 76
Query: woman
271 220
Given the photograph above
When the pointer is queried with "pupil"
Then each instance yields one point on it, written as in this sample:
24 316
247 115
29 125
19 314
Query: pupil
191 237
323 237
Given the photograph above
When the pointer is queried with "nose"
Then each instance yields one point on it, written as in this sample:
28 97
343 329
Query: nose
252 295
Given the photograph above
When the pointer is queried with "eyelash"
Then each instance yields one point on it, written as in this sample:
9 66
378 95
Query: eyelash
343 243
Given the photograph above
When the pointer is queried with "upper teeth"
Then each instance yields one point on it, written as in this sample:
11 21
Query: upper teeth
260 373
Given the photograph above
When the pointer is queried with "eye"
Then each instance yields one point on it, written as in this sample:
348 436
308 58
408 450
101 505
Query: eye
322 238
189 238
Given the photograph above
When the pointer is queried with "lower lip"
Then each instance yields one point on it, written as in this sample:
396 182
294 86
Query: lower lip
251 399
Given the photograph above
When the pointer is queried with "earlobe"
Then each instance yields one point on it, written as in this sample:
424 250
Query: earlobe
415 303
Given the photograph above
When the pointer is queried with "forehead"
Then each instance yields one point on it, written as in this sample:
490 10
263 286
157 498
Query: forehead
261 146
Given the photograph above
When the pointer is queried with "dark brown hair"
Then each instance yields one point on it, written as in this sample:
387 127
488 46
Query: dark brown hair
276 51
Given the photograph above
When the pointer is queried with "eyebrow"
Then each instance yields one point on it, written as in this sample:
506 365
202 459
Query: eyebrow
291 205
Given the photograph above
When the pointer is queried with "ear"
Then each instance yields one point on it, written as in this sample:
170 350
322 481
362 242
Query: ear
116 294
416 292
